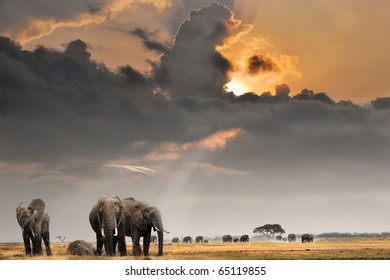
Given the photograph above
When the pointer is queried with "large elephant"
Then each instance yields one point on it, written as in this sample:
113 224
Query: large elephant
175 240
199 239
35 226
291 237
227 238
187 239
306 237
140 219
107 219
244 238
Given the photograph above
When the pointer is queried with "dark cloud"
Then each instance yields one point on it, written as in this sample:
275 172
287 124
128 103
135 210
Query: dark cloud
306 94
145 36
193 66
259 63
282 89
381 103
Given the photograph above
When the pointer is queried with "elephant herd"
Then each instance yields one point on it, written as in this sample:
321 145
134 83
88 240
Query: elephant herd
201 239
111 218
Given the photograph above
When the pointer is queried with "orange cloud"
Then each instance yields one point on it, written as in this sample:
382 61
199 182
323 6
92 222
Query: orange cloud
284 66
173 151
213 169
216 141
39 28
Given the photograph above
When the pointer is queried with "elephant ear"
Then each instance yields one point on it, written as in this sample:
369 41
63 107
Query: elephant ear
137 214
37 206
20 214
121 210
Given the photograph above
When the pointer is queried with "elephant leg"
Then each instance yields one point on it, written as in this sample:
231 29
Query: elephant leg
114 243
99 244
122 246
146 244
136 246
27 243
37 245
46 240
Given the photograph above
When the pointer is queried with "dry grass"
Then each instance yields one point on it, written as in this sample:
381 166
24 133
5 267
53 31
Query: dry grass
330 249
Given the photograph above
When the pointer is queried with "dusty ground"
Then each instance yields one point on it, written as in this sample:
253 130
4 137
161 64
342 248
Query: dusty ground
333 249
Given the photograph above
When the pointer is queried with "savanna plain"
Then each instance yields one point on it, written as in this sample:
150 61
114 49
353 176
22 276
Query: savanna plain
373 248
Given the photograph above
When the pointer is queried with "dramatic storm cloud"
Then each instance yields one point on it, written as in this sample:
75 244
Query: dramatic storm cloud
193 66
73 129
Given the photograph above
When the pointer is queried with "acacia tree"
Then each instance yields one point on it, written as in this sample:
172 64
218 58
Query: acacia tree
269 230
62 238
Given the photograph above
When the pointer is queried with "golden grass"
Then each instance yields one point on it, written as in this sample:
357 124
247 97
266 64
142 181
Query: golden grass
325 249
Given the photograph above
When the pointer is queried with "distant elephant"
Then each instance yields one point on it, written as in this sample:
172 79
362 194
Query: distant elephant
107 219
153 239
140 219
199 239
187 239
306 237
175 240
291 237
227 238
81 248
35 226
236 240
279 238
206 241
244 238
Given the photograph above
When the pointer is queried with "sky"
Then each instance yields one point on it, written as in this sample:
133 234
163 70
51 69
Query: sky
226 116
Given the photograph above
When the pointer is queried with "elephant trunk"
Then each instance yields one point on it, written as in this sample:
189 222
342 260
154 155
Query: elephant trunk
158 226
160 236
109 230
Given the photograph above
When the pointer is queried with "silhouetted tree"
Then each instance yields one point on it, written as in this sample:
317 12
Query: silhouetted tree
269 230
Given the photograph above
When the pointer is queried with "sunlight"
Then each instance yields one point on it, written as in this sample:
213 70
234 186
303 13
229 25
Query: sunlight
236 87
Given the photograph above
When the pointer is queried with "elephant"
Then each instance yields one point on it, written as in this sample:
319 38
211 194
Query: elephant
236 240
199 239
35 226
153 239
140 218
279 238
227 238
107 219
291 237
244 238
306 237
187 239
81 248
175 240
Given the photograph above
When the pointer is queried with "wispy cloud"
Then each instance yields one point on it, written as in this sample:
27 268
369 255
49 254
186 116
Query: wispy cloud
214 169
216 141
38 28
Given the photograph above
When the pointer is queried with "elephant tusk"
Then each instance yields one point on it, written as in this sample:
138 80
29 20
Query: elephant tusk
115 231
103 232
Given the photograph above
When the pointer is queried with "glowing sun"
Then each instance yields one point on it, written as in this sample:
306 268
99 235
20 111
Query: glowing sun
236 87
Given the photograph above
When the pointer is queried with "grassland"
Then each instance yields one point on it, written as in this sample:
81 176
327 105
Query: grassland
324 249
